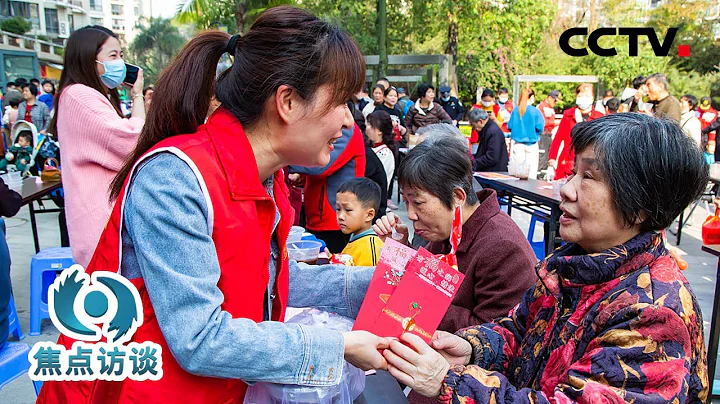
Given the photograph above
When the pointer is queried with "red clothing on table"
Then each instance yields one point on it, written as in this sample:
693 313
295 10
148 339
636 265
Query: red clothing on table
565 160
549 115
226 165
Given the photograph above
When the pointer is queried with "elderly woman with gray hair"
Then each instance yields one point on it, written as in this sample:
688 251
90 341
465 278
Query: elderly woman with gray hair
492 152
496 258
611 318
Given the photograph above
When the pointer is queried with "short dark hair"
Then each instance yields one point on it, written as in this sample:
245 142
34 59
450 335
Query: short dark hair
148 88
52 84
487 92
639 81
391 88
692 100
503 90
14 102
33 88
367 191
439 167
25 134
381 121
10 84
20 81
423 88
34 80
613 104
653 168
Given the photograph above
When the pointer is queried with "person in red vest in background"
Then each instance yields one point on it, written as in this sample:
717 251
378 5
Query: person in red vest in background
347 161
707 114
561 156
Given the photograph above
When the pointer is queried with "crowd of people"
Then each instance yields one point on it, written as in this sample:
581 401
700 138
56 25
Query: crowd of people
192 198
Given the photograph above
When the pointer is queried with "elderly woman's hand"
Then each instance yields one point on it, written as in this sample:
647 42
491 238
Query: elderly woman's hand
454 349
420 367
384 227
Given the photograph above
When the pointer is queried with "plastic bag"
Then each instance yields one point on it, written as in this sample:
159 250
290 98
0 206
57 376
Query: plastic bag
352 382
711 229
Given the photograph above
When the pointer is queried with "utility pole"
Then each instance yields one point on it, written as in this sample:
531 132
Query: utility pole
381 34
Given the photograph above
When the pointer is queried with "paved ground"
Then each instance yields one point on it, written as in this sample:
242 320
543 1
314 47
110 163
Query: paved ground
701 274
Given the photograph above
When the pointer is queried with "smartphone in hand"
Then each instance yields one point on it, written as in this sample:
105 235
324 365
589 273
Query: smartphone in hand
131 74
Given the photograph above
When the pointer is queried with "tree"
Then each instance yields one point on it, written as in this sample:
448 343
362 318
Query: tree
156 43
232 13
16 25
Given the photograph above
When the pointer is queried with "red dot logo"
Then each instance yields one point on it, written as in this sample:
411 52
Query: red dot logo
684 51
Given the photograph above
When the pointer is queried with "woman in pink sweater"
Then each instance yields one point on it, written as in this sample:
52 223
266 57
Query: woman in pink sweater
95 136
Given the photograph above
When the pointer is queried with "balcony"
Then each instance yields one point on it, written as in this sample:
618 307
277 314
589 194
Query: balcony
75 6
47 51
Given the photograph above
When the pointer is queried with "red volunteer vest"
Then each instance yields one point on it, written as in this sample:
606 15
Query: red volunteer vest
241 216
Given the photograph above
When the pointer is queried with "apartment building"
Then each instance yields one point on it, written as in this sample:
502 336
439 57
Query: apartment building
57 19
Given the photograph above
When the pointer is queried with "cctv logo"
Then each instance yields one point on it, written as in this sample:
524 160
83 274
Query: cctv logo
78 302
660 49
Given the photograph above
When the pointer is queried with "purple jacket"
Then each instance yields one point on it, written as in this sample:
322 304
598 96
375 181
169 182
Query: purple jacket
498 263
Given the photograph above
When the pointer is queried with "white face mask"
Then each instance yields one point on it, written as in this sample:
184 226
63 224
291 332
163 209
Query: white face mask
503 99
486 103
584 102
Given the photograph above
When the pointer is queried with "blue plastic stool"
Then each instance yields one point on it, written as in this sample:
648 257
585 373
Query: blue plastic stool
43 270
14 323
14 363
537 246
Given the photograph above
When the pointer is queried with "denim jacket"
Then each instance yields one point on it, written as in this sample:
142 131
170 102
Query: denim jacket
166 242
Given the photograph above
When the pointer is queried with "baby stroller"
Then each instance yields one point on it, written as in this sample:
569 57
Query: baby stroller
21 126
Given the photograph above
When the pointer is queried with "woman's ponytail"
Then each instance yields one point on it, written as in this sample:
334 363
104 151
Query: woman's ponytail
182 97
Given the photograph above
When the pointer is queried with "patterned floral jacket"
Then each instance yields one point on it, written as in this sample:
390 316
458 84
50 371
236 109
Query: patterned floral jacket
622 325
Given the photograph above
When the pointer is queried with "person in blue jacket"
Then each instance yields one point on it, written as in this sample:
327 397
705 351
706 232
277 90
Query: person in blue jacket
525 130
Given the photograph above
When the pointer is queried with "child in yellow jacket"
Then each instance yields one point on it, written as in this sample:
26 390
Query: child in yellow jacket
356 202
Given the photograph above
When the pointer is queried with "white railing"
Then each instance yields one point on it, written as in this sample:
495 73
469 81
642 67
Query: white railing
30 43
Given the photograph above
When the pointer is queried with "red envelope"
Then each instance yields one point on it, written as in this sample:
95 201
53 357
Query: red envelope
390 269
421 300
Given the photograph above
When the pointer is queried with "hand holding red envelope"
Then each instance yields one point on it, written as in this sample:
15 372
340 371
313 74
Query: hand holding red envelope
411 290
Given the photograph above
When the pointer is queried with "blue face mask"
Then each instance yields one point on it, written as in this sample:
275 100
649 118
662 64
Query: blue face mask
115 71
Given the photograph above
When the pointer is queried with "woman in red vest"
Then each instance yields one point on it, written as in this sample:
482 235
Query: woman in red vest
561 155
202 217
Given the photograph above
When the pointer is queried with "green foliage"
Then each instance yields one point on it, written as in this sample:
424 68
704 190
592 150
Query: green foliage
155 45
16 25
206 14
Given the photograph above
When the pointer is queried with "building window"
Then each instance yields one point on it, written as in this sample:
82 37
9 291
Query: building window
96 5
137 10
52 26
19 66
28 11
118 24
116 9
96 21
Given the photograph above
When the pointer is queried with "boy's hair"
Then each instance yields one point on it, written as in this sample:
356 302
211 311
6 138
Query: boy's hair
14 102
27 135
367 192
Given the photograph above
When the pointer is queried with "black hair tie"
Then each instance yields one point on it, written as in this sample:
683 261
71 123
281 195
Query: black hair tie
232 43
